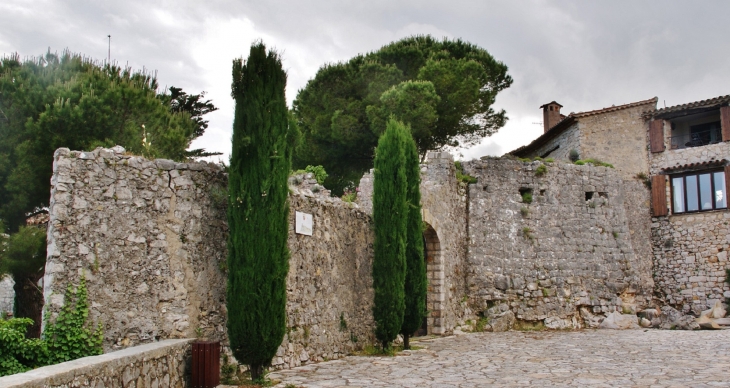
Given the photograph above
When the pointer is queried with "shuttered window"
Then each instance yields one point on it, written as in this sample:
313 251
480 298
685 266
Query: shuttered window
725 122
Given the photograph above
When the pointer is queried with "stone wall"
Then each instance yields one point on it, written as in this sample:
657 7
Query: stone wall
618 137
161 364
150 237
573 248
690 250
7 294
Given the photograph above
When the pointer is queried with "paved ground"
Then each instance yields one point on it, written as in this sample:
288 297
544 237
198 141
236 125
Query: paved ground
605 358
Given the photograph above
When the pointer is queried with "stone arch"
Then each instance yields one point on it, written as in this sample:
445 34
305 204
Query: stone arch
435 274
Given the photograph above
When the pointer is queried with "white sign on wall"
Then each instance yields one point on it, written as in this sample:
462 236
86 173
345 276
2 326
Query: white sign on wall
303 223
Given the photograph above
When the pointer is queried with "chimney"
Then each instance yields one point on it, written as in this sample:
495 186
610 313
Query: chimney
551 114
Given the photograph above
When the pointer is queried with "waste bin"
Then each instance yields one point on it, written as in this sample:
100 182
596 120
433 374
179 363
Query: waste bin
206 364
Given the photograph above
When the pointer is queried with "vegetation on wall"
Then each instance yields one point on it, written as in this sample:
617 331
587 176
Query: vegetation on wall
416 282
258 257
390 213
444 89
67 338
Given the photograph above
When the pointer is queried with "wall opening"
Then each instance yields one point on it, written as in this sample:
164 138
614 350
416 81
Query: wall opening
435 274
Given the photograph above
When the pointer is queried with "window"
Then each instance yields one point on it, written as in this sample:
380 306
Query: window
699 191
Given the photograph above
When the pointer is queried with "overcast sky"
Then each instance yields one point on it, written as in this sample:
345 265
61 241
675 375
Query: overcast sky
584 54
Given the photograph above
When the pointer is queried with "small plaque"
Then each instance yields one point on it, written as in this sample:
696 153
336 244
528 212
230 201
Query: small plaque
304 223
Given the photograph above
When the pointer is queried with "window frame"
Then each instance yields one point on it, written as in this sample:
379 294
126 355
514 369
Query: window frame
697 174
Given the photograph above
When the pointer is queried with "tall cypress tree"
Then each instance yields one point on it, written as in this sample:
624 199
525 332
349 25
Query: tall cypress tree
416 282
389 216
258 257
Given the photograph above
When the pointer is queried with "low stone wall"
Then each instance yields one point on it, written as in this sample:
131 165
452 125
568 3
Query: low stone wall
150 237
571 249
159 364
7 294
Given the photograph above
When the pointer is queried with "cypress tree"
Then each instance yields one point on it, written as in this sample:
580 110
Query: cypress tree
389 216
415 283
258 257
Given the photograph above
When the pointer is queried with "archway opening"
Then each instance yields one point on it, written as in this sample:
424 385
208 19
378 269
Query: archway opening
432 324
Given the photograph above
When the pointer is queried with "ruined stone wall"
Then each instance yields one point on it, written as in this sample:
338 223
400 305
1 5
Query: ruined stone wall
161 364
566 141
150 237
444 210
564 252
7 294
618 137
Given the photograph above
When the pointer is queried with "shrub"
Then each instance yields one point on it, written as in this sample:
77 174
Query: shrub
319 173
461 177
525 211
549 160
541 170
527 197
574 155
594 162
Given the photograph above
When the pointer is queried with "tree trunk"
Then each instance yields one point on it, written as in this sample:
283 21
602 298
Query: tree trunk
257 371
29 303
406 342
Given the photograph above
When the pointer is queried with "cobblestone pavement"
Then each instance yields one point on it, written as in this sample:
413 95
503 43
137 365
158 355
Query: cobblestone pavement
605 358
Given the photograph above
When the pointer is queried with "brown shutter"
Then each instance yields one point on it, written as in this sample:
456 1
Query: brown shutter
725 123
656 135
727 181
658 195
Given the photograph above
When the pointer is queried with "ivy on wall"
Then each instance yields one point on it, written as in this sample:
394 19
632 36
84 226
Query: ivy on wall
68 338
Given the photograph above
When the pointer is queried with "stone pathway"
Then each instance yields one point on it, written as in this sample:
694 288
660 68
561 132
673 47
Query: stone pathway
605 358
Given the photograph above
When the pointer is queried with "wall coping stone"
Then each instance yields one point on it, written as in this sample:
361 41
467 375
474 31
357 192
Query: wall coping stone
67 371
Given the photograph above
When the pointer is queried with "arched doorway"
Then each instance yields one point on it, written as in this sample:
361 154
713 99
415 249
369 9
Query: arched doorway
435 273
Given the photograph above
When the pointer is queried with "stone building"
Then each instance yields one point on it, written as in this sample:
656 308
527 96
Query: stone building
688 165
616 135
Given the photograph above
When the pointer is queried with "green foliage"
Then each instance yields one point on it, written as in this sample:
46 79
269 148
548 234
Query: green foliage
258 257
527 233
644 179
343 322
416 282
481 324
444 89
594 162
349 195
319 173
70 101
573 155
390 215
66 339
527 197
541 170
525 211
23 254
461 177
549 160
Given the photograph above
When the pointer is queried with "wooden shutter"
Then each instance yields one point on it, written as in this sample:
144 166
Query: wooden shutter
725 123
656 135
727 181
658 195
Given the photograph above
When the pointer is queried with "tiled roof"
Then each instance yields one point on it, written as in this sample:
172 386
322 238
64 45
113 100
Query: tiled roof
694 166
565 123
709 103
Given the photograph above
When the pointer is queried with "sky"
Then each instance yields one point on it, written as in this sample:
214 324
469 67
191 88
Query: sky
585 55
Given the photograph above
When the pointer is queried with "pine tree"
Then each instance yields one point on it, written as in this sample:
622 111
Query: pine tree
415 283
389 216
258 257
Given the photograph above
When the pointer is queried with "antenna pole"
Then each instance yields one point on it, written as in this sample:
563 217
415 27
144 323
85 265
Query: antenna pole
109 54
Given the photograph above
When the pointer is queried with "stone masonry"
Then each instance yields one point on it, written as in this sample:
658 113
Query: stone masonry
7 294
690 250
150 237
567 255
